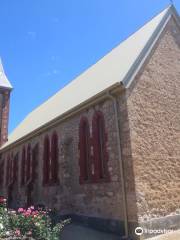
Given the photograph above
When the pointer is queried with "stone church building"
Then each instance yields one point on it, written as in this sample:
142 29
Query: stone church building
105 149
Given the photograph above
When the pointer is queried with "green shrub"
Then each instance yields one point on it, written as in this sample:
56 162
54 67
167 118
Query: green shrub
28 224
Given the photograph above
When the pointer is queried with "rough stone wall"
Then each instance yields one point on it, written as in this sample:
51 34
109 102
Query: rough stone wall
103 200
128 164
153 104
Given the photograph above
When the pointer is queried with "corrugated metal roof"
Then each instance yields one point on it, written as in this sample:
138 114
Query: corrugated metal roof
4 82
111 69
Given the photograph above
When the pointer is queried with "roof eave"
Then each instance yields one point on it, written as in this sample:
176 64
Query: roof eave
6 88
80 107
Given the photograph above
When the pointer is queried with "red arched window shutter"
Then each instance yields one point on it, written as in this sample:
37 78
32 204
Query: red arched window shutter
11 169
99 147
23 164
46 159
15 168
35 154
28 167
84 148
54 158
8 170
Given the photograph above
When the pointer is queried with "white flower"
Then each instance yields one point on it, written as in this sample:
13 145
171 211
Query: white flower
7 233
12 212
1 226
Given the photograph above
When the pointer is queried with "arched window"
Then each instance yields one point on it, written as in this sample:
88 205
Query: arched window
8 170
11 169
15 168
23 164
46 161
54 158
35 155
28 166
99 146
84 148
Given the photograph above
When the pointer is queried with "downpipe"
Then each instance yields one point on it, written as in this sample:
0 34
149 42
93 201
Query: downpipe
110 96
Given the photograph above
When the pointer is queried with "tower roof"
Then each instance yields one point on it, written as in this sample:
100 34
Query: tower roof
4 82
117 68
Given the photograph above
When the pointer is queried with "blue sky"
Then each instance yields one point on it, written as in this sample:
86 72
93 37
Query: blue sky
44 44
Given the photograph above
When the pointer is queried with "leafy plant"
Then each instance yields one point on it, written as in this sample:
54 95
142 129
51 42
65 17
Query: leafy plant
28 223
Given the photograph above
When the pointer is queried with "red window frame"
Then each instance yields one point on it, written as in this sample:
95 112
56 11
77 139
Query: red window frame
23 166
28 165
8 170
46 161
54 158
11 169
15 168
85 151
35 153
99 147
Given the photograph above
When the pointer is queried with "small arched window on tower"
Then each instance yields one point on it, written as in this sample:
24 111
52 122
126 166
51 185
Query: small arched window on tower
28 165
54 158
46 161
99 147
84 148
23 165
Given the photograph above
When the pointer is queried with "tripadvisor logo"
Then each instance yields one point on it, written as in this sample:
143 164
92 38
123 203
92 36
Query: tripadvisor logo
139 231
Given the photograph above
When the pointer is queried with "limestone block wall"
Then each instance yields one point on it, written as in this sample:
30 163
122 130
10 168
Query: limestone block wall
128 161
153 104
102 200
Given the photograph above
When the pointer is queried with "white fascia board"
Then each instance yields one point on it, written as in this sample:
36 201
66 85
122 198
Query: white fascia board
136 67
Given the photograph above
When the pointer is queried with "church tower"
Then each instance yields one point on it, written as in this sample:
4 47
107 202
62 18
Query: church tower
5 90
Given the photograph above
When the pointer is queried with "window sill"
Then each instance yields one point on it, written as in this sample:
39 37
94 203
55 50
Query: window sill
95 180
